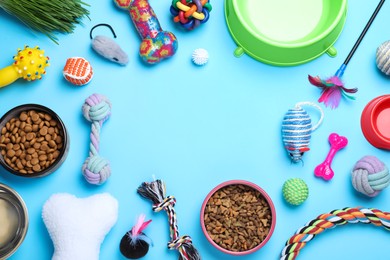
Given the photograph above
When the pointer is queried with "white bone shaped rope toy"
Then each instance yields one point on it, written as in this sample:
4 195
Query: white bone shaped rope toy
324 169
77 226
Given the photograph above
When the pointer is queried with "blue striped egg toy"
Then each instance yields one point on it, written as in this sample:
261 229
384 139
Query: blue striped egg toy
297 129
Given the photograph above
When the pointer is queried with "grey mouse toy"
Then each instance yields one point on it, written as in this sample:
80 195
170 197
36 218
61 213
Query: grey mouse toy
108 48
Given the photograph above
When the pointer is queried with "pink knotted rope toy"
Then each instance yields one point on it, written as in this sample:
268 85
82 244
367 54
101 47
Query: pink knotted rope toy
324 169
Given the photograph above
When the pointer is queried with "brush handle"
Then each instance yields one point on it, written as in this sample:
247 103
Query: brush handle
363 33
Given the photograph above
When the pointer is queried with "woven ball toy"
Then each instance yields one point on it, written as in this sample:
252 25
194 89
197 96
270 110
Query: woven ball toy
295 191
383 57
77 71
370 176
96 109
190 13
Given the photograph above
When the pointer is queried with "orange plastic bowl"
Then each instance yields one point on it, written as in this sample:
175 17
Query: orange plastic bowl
375 122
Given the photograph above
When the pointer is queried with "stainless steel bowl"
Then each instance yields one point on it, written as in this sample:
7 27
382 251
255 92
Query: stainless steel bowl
14 218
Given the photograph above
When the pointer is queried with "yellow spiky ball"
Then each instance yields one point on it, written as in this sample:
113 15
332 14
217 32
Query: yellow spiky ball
30 63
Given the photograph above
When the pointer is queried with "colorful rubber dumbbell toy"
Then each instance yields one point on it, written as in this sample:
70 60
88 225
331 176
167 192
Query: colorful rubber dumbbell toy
156 44
29 64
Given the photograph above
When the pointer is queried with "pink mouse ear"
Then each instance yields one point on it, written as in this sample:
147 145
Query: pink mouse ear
304 149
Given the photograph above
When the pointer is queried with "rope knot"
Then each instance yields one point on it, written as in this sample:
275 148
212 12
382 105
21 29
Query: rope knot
96 169
180 241
170 200
370 176
97 108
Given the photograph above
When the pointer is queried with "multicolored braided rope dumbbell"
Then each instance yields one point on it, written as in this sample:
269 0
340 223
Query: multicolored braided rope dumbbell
96 109
156 192
329 220
190 13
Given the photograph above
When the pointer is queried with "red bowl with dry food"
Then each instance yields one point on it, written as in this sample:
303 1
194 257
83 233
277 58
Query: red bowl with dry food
34 141
238 217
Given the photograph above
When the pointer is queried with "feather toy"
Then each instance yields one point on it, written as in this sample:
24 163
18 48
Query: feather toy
333 88
135 244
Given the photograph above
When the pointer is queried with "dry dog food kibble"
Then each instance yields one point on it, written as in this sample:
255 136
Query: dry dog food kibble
31 142
237 218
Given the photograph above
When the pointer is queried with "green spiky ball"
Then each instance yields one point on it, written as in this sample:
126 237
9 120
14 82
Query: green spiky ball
295 191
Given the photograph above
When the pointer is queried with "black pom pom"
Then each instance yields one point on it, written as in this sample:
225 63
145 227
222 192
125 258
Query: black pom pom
133 251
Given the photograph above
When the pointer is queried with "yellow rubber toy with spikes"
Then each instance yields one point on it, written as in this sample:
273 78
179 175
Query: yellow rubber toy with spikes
29 64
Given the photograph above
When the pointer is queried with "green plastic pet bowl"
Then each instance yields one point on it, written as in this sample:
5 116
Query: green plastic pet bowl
285 32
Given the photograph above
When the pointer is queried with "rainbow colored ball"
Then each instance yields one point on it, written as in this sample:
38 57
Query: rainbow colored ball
295 191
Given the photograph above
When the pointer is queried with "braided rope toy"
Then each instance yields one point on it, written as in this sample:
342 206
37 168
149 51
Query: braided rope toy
190 13
330 220
96 109
155 191
370 176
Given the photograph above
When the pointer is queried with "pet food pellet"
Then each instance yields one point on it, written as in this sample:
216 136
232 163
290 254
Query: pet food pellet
36 168
52 144
19 165
43 130
58 139
23 116
29 136
34 161
44 147
10 153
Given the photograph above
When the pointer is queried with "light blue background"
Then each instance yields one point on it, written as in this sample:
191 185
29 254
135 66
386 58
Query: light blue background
195 127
